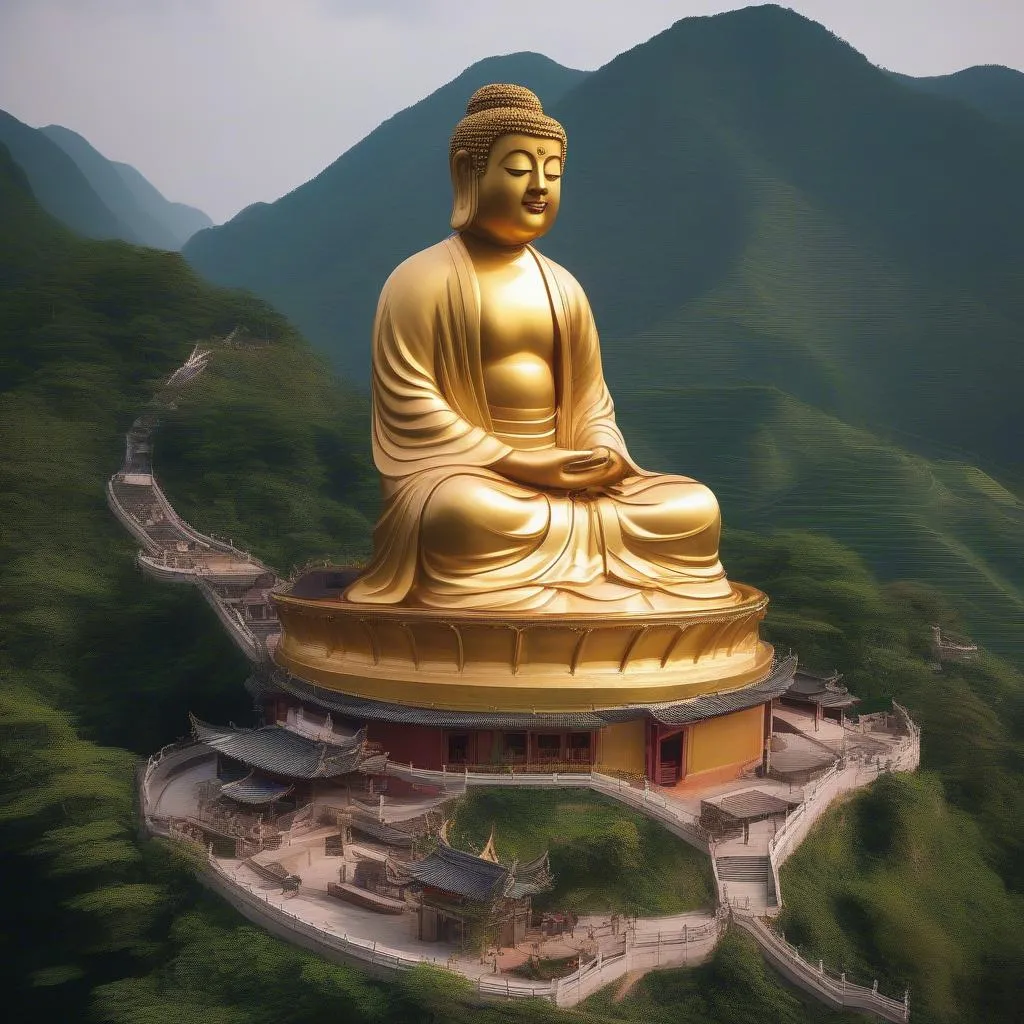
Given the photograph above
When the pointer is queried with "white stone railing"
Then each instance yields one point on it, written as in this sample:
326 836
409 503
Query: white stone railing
853 770
642 949
829 988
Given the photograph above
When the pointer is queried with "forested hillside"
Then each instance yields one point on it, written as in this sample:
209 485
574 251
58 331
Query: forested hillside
746 199
99 666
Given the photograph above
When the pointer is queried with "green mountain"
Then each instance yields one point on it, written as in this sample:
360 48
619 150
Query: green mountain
323 251
134 201
745 195
57 182
777 217
997 91
98 664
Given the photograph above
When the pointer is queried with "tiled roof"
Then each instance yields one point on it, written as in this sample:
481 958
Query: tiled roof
531 878
479 879
464 874
282 752
364 709
400 833
711 704
255 790
819 689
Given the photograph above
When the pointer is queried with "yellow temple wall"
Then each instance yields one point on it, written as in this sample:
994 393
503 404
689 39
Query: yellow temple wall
731 739
622 746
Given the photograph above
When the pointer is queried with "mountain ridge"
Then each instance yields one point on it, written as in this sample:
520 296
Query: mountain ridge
58 183
993 89
153 219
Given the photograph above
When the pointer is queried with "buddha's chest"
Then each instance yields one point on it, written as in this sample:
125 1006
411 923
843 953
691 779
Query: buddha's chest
516 322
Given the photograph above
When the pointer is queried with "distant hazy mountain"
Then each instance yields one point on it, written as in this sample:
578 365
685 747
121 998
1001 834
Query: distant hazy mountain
324 250
747 200
182 220
59 184
996 91
133 200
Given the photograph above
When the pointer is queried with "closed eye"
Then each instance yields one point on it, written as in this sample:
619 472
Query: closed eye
516 172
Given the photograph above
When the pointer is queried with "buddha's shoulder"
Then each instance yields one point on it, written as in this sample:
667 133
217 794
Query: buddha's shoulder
565 278
424 273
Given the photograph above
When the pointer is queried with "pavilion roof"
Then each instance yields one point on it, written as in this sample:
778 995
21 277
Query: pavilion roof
476 877
709 705
283 752
255 789
821 689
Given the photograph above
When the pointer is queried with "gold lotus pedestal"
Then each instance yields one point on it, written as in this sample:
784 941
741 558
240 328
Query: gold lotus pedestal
483 661
680 698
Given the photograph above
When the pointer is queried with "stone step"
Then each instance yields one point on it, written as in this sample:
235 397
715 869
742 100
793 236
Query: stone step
744 869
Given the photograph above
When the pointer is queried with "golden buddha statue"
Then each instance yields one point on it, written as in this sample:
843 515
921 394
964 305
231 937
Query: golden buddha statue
507 483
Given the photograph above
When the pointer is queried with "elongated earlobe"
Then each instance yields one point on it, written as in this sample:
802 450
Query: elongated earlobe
464 185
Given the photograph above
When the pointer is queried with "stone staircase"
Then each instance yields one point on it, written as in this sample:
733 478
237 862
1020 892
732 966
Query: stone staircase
747 882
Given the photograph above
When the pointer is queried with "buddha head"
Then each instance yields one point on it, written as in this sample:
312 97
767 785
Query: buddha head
506 160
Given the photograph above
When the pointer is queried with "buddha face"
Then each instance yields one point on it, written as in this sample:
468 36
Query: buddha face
518 193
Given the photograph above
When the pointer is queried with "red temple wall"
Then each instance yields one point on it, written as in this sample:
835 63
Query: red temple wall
418 745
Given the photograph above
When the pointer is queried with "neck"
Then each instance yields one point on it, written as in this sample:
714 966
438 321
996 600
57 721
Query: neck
478 245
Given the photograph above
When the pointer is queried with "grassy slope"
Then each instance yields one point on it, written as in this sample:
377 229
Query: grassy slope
604 857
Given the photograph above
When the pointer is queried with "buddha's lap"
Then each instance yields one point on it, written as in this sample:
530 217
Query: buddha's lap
474 514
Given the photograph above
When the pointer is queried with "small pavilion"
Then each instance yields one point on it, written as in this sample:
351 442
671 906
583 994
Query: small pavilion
820 693
258 767
466 897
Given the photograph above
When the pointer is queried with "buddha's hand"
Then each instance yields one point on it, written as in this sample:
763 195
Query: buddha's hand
563 469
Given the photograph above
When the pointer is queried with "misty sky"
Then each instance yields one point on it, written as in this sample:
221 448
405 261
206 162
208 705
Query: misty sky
221 103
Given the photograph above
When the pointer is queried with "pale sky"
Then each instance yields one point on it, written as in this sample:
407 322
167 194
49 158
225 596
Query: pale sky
221 103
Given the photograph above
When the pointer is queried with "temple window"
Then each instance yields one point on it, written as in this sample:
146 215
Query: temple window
515 746
579 746
458 749
549 747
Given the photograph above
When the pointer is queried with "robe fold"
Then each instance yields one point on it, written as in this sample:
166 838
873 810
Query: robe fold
456 534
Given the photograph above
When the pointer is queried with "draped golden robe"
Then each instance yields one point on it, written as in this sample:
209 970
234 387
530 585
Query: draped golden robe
456 534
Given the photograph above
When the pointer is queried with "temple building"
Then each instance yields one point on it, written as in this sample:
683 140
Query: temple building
261 767
472 899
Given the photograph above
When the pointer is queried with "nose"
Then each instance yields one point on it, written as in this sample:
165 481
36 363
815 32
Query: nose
538 183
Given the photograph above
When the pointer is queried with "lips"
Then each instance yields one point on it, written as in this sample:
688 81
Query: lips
536 207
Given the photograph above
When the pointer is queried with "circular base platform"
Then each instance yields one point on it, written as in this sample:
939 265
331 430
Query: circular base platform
542 663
